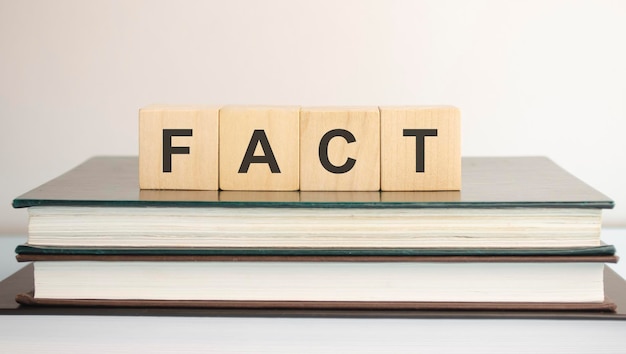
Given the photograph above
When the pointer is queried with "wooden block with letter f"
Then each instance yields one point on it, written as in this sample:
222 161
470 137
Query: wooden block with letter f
420 148
259 148
340 149
178 147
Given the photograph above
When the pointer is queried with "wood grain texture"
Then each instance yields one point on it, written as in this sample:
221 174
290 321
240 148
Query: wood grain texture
197 170
442 153
280 125
363 124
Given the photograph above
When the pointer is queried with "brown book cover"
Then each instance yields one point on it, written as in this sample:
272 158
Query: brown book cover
607 305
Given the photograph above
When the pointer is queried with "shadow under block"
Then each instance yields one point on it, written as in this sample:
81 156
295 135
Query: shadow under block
178 147
340 149
259 148
420 148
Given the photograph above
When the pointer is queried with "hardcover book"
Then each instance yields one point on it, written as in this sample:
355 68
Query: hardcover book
22 283
506 202
176 329
306 281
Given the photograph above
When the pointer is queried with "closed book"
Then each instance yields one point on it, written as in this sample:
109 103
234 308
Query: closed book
184 329
506 202
320 281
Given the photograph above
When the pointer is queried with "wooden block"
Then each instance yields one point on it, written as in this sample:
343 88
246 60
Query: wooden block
340 149
420 148
259 148
178 147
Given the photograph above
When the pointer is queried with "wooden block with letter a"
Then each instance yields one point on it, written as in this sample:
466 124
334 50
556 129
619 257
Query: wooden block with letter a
420 148
340 149
259 148
178 147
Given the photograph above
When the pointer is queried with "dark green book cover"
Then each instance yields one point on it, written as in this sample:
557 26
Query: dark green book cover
488 182
48 252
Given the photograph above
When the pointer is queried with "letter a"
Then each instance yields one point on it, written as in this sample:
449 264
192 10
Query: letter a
258 136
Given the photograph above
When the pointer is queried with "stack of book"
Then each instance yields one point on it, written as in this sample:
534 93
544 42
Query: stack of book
523 234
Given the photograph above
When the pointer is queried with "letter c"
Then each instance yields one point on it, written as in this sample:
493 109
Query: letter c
323 151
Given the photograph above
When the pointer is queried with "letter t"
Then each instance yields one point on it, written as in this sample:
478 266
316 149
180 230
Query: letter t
419 135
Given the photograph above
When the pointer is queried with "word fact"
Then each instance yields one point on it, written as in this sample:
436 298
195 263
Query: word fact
265 148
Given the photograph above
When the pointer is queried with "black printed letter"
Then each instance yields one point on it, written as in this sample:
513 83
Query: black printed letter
259 137
419 135
168 149
323 151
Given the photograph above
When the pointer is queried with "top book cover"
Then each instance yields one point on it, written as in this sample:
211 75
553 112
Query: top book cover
488 182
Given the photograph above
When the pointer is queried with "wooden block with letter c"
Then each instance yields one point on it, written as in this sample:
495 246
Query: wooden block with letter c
340 149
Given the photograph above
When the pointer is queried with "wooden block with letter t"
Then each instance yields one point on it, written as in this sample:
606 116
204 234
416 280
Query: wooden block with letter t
420 148
259 148
340 149
178 147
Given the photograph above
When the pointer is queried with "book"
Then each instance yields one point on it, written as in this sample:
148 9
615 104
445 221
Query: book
398 282
506 202
182 329
22 283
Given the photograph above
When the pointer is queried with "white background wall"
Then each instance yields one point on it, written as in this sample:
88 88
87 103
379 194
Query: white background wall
530 77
